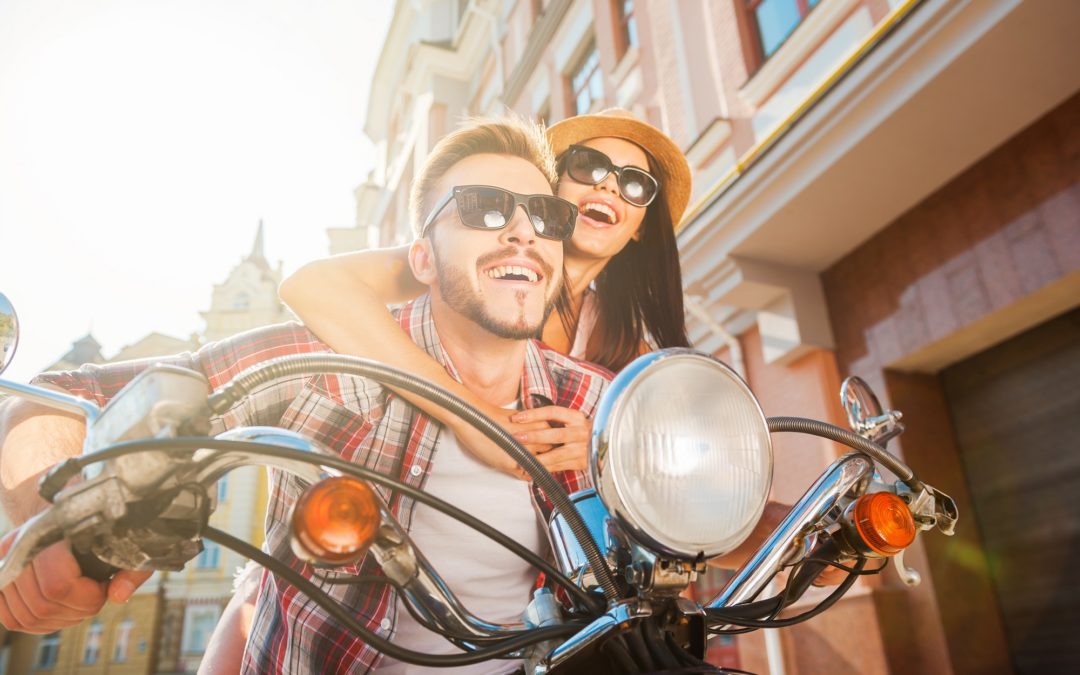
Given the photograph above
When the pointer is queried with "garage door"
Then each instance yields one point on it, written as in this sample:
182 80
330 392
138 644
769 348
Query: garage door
1016 410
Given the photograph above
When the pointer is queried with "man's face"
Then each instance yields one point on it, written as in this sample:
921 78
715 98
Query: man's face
478 272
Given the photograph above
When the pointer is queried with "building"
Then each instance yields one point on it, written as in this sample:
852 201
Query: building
886 188
166 625
248 297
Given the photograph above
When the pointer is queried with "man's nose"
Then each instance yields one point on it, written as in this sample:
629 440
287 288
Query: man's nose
520 230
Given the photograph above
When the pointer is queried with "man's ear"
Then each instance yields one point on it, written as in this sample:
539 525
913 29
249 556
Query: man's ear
422 261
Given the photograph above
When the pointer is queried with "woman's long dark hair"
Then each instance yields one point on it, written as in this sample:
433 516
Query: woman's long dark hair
638 294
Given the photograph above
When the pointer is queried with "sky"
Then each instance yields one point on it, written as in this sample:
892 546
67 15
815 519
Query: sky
141 141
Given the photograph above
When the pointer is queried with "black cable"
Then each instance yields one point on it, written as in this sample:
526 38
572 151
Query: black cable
616 650
852 570
717 614
338 613
639 650
802 425
313 364
650 633
685 658
365 579
188 445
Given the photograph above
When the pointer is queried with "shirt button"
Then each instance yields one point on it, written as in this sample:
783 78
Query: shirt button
415 470
385 624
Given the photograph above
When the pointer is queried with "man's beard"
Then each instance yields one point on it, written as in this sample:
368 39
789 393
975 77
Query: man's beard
460 296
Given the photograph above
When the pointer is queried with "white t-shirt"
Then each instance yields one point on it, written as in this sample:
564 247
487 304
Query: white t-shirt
491 582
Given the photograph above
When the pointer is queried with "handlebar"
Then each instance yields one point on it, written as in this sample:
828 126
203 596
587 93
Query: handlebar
87 510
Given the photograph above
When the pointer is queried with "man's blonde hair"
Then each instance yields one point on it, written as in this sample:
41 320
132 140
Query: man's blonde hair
510 135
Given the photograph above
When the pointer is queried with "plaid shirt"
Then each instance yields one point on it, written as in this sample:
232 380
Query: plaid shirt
363 422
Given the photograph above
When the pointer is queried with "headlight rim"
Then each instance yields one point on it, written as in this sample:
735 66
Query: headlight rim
603 476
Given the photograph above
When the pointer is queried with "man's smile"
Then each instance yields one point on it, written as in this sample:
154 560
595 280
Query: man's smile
514 266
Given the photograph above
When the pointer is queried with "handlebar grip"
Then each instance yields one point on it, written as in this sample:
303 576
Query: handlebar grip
93 567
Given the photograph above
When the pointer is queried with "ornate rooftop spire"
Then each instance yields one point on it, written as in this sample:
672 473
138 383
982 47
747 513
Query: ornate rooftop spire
257 249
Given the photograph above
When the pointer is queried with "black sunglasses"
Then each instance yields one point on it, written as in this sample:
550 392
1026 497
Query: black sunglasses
591 167
484 207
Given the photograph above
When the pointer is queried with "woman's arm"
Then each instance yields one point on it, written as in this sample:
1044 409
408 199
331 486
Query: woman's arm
343 300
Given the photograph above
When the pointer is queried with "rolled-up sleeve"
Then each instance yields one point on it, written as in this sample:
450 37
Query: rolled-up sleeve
218 361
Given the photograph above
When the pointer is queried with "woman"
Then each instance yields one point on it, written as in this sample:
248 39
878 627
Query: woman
622 296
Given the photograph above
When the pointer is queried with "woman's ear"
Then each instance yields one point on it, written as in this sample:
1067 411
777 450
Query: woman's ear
422 261
636 236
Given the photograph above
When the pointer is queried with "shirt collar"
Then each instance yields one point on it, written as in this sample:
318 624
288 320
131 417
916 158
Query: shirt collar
416 320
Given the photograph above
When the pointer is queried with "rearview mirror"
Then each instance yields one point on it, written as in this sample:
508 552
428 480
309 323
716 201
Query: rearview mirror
9 331
864 412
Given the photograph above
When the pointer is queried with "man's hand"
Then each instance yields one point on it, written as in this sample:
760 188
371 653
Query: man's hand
564 445
51 592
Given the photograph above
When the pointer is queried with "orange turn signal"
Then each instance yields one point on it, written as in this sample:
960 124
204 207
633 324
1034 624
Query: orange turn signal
335 521
884 523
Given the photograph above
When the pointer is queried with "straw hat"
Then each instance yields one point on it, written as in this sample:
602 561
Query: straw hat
667 162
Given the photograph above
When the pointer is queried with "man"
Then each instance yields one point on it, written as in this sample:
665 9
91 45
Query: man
492 258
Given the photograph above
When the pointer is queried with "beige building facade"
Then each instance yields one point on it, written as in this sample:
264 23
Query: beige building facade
166 625
886 188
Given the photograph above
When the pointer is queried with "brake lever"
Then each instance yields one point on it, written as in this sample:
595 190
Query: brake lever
35 535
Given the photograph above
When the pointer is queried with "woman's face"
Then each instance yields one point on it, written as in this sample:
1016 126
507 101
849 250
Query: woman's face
606 221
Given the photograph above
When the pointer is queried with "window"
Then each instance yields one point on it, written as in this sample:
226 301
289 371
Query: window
92 649
587 81
199 622
775 20
627 29
210 556
123 637
242 302
222 488
47 649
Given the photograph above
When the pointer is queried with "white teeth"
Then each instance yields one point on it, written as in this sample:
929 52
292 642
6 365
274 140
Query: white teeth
600 207
502 271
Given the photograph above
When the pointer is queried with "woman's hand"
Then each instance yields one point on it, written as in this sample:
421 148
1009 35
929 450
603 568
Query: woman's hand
484 449
563 445
558 437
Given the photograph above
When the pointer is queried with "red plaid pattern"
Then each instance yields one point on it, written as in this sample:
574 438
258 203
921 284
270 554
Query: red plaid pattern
363 422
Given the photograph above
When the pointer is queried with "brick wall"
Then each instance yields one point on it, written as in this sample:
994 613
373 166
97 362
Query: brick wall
952 276
1003 230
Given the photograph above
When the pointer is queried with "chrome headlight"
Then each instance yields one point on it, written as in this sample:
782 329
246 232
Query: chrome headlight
681 454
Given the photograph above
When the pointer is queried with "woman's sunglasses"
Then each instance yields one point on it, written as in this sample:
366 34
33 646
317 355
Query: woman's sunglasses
591 167
484 207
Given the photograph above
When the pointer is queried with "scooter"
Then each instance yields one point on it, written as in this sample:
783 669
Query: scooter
681 463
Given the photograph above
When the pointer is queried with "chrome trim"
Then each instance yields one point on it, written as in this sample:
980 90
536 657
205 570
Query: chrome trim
400 559
211 464
568 553
842 476
422 586
9 332
53 399
608 410
35 534
865 414
909 575
589 635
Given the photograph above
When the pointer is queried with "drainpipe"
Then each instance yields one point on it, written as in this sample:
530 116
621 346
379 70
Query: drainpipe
695 306
774 650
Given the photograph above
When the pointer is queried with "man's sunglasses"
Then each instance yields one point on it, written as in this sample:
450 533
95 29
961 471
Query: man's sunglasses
591 167
484 207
